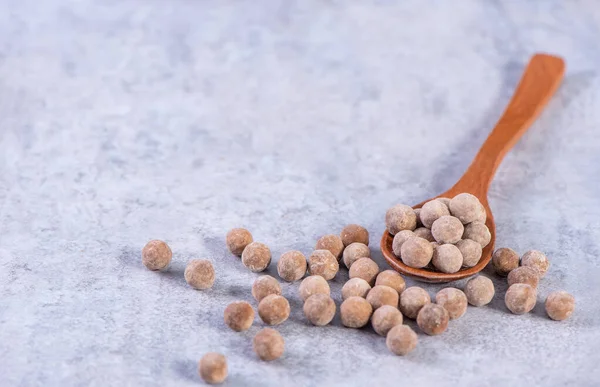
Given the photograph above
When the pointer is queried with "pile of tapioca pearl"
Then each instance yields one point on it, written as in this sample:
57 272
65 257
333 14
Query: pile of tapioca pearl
523 275
447 234
380 298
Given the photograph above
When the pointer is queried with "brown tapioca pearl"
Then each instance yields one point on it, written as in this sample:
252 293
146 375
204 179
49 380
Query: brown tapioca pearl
479 291
446 201
354 233
399 240
560 305
213 368
382 295
323 263
433 319
265 285
400 217
447 258
355 251
537 260
268 344
416 252
478 232
292 266
523 275
199 274
401 340
466 208
355 287
432 211
156 255
447 229
391 278
520 298
412 300
385 318
366 269
237 239
319 309
256 256
314 284
239 316
471 252
453 300
333 243
505 260
355 312
424 233
274 309
418 215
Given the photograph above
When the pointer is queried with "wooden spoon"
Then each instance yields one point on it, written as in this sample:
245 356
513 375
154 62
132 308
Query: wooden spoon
538 83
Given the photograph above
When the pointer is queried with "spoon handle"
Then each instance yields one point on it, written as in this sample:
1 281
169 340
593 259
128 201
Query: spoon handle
538 83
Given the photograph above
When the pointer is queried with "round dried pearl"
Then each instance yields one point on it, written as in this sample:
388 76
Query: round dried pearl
479 291
392 279
478 232
537 260
470 250
432 211
418 215
505 260
213 368
355 251
268 344
424 233
319 309
446 201
433 319
156 255
315 284
520 298
447 229
524 275
382 295
355 312
333 243
560 305
385 318
237 239
199 274
239 316
355 287
292 266
416 252
265 285
453 300
256 256
447 258
401 340
466 207
354 233
400 217
323 263
366 269
274 309
399 240
412 300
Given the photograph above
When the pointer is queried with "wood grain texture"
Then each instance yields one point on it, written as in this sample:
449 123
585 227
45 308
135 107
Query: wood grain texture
539 82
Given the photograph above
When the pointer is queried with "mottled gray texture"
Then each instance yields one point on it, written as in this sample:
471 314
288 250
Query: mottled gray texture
127 120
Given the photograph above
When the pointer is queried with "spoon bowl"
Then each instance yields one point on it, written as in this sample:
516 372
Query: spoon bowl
539 82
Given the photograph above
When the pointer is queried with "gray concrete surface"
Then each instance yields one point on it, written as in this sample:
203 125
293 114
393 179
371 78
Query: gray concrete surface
123 121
